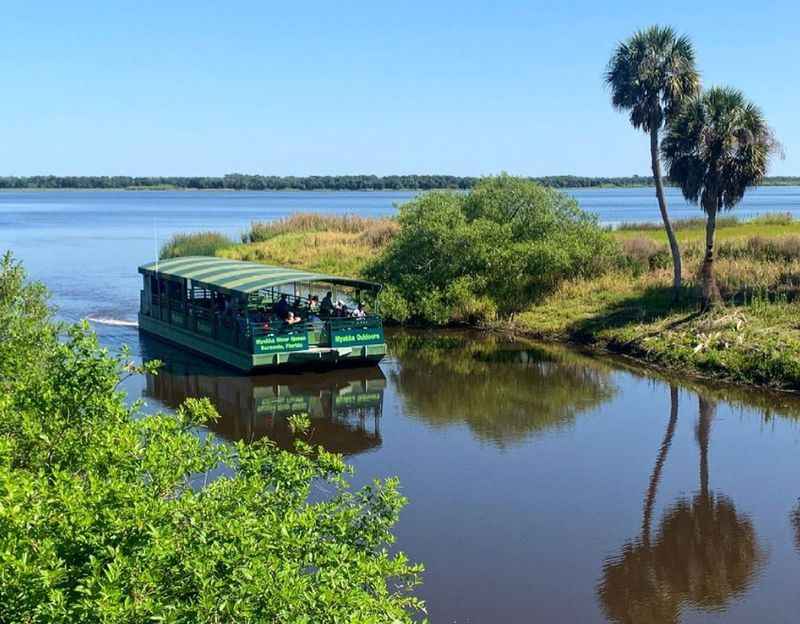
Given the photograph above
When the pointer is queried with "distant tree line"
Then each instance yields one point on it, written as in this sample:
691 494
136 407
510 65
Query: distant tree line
242 182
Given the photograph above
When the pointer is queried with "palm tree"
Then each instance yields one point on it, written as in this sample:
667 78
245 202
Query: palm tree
651 75
715 147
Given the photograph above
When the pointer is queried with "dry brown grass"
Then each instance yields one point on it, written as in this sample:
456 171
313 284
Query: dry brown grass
379 233
336 253
334 244
306 222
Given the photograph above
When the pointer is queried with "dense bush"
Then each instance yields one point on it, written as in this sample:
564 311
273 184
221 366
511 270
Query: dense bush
110 516
467 257
195 244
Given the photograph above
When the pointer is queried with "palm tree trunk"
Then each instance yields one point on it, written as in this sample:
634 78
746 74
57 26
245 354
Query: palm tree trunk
710 295
655 160
703 435
655 477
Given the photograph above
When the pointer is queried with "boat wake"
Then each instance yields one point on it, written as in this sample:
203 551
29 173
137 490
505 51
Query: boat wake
111 321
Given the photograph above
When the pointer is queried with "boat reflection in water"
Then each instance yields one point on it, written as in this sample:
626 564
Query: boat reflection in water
704 555
344 405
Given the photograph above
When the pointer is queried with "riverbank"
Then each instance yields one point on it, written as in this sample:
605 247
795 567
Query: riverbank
756 343
753 339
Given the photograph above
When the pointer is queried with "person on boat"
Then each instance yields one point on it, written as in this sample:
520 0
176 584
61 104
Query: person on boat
358 312
342 309
326 307
281 308
316 321
313 312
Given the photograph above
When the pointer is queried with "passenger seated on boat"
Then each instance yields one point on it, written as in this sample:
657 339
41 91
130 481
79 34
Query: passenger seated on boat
316 321
313 304
293 318
295 308
326 307
341 309
281 308
259 317
359 312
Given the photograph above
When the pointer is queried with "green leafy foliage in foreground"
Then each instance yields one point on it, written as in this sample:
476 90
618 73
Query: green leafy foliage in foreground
107 515
467 257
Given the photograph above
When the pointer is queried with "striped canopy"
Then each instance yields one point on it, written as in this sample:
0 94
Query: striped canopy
241 277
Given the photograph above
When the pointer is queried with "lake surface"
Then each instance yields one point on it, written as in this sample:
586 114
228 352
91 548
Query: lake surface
543 485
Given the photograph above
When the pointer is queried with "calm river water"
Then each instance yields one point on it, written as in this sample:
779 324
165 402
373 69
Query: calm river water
544 486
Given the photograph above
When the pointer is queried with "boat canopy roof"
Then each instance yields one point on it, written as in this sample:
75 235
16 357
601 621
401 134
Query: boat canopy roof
241 277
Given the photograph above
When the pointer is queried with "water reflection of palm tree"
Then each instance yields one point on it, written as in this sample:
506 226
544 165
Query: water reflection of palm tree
795 518
655 477
704 553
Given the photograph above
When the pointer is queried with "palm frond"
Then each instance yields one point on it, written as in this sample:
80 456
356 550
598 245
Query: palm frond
717 146
651 74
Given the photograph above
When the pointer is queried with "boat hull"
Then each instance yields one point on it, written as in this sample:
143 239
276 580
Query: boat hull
316 357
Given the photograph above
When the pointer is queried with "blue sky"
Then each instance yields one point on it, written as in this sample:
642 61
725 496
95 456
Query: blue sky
297 88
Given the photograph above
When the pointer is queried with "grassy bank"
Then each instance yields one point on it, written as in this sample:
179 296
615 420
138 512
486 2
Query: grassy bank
754 338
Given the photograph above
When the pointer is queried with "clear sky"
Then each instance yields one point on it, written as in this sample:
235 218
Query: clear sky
294 88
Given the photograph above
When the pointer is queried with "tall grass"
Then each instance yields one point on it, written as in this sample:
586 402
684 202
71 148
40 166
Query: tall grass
195 244
680 224
744 267
336 244
773 218
375 231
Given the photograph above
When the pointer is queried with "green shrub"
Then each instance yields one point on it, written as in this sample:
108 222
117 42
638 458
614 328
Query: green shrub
469 257
108 515
391 305
195 244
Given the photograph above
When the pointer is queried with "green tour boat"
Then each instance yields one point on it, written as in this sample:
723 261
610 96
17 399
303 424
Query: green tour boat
254 316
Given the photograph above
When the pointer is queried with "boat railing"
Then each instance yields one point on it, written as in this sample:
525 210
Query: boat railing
238 331
352 322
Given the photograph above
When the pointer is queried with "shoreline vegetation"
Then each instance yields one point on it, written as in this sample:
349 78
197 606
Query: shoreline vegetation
515 257
241 182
